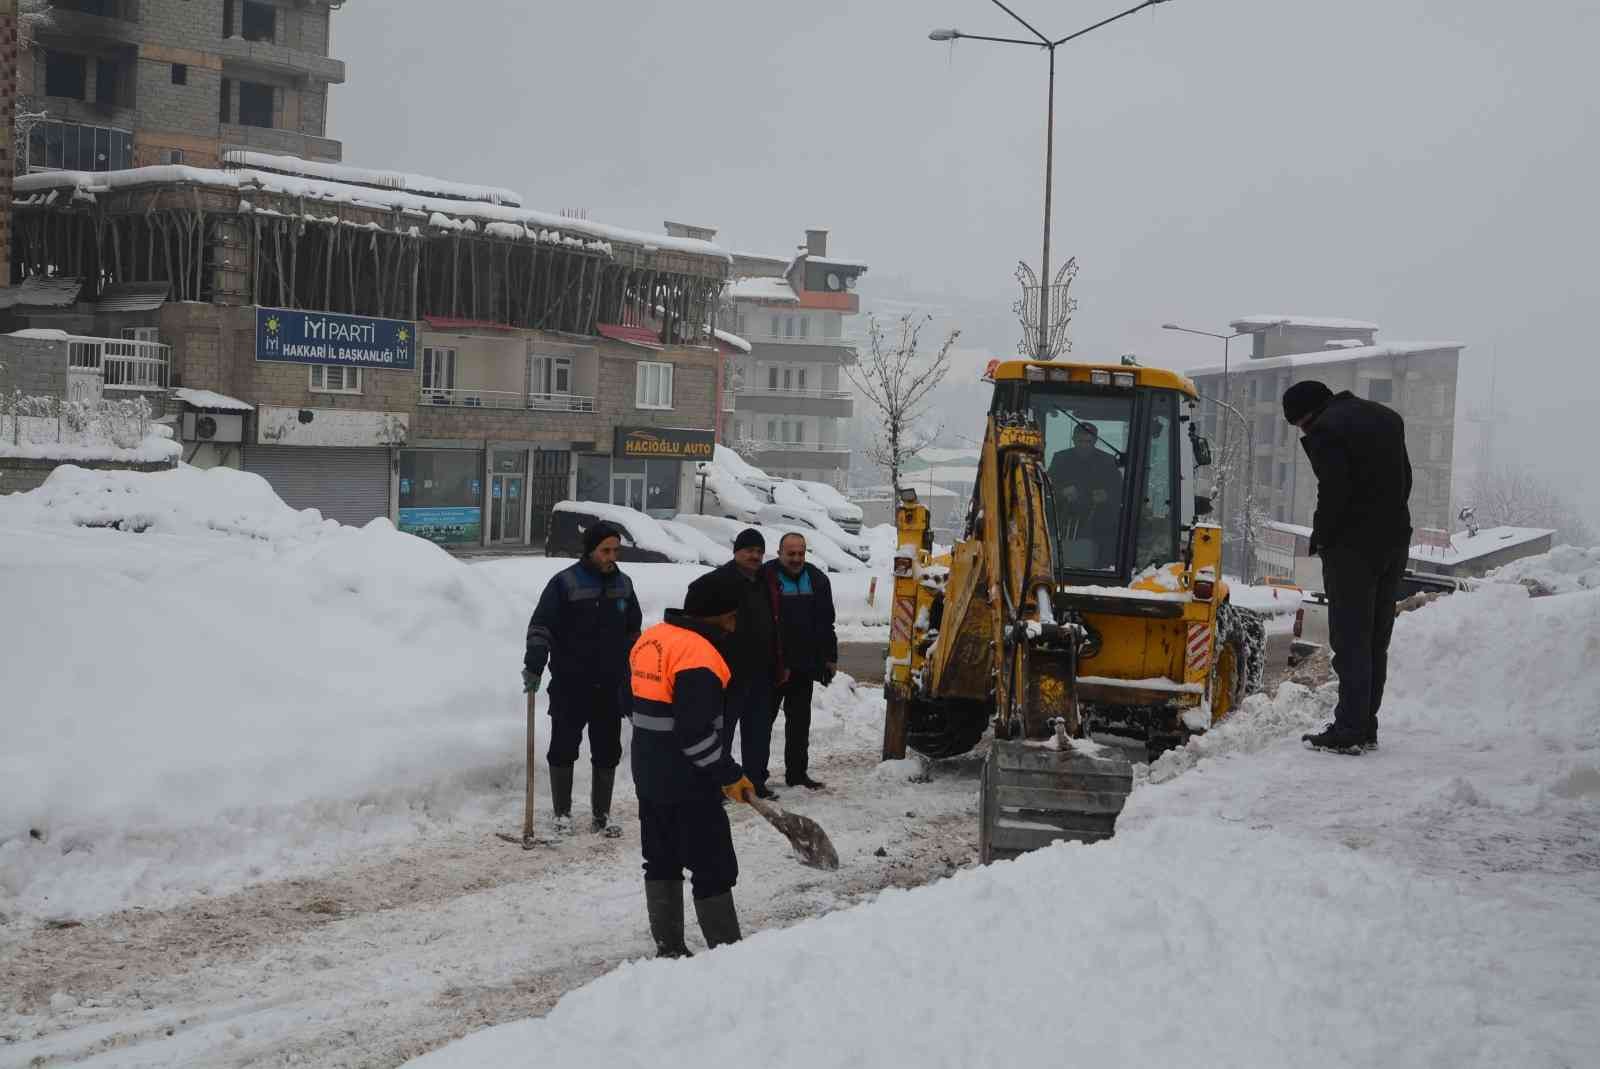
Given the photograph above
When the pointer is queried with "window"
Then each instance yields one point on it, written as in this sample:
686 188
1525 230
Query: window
1380 390
255 104
803 326
800 433
149 334
653 386
772 430
227 18
225 108
788 326
438 375
550 381
1157 537
800 380
335 379
1283 474
775 329
180 74
259 22
65 75
772 379
106 76
788 379
172 155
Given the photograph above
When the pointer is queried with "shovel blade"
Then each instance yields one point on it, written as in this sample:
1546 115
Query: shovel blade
810 843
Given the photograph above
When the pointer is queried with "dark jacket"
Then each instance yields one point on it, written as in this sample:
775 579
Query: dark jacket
583 627
805 619
678 679
1358 451
755 647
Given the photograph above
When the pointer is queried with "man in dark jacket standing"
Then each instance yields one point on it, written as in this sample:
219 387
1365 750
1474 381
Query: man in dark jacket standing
585 624
755 655
810 650
681 768
1362 532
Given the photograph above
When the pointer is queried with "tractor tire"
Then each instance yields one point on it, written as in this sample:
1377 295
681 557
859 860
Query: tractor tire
1240 661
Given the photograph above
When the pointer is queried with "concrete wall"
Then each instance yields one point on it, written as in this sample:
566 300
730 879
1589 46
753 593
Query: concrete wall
36 367
19 476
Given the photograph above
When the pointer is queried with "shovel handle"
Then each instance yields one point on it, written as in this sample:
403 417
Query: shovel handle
527 800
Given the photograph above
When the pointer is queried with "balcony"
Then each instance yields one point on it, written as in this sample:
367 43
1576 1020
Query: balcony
806 350
729 401
767 445
512 400
265 55
127 366
839 404
784 455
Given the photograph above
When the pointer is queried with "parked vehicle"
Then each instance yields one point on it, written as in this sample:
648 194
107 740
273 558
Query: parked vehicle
724 495
711 551
1311 621
824 552
817 521
644 540
839 508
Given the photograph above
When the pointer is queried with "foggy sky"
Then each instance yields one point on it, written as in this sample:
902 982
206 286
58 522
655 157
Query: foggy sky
1427 164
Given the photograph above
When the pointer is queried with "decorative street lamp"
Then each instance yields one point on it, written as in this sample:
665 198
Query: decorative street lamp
1054 305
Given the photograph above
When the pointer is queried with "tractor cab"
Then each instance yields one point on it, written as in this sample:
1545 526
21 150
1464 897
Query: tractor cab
1117 448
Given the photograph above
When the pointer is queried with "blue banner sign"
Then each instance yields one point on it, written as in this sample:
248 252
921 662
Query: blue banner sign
447 525
298 337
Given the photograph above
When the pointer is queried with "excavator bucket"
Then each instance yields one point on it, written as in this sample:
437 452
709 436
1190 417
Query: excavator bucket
1035 795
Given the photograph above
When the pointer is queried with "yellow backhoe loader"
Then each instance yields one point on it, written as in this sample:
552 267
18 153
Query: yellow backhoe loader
1084 602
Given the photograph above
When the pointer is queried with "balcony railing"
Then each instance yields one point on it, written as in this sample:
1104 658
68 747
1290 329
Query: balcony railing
516 400
134 366
767 444
790 339
728 400
779 391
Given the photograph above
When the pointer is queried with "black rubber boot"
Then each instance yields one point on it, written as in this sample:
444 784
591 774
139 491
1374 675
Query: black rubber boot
1330 741
663 900
561 797
719 921
600 803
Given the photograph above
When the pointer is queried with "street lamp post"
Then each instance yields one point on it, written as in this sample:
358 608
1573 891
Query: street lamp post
1227 392
1041 41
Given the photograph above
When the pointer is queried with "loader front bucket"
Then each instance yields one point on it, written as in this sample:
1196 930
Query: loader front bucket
1035 795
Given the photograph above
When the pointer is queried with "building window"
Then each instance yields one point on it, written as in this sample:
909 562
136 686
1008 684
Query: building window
803 326
772 379
800 433
438 375
225 108
653 386
788 326
227 18
65 75
255 105
800 380
172 156
69 146
180 74
335 378
1283 475
147 334
550 380
775 330
259 22
1380 390
106 76
772 430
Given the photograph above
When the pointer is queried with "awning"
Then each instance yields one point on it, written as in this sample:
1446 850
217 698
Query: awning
133 297
214 402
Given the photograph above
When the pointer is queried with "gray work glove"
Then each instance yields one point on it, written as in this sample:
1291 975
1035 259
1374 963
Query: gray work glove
530 682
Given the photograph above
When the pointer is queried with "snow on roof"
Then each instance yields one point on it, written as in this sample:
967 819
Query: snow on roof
41 293
1465 546
643 530
1314 322
762 289
544 226
1343 343
212 400
728 338
361 176
42 334
1330 356
834 261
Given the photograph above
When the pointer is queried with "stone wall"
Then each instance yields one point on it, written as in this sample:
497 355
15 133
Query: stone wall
18 476
35 366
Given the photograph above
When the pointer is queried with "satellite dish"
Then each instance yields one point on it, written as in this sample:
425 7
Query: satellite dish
833 281
850 283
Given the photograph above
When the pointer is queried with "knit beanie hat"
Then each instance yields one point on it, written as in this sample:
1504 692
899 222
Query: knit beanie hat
713 594
1304 398
750 537
597 533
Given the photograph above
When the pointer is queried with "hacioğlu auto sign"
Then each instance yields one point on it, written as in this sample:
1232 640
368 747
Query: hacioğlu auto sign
292 337
664 443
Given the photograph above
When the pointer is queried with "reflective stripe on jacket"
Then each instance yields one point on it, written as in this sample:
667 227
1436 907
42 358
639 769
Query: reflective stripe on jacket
679 679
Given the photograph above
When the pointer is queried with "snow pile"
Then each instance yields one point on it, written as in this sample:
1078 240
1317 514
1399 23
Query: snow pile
103 432
1430 903
1563 570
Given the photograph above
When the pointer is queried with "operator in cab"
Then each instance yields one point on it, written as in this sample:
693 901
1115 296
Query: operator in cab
1087 484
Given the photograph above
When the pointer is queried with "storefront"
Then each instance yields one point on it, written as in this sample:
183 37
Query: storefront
337 461
441 495
649 468
500 495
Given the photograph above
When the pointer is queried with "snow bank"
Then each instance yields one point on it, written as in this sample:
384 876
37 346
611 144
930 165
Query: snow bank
1563 570
711 552
643 531
46 438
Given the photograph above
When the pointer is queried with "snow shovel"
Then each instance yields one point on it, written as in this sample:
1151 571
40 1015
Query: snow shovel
529 840
806 837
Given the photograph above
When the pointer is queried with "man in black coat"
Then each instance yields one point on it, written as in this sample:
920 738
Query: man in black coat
585 624
756 657
1362 532
810 650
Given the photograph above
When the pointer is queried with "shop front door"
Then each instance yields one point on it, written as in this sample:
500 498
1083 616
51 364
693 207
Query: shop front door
547 486
628 489
506 509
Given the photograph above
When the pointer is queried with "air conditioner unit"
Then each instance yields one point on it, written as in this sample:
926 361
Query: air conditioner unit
213 427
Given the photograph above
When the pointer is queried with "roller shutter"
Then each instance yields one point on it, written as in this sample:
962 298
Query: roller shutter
348 485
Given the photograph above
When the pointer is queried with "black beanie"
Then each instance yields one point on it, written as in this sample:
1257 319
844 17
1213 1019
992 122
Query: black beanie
750 537
1305 398
713 594
597 533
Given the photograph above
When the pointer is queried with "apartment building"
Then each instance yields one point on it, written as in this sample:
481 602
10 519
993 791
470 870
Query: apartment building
1416 379
790 394
378 344
133 83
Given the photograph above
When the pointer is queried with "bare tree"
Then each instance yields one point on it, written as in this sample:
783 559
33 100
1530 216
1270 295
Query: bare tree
1514 497
896 380
26 114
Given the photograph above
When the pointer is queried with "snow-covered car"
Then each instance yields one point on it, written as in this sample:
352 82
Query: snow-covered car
711 551
1310 624
814 521
723 531
724 494
838 507
643 539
